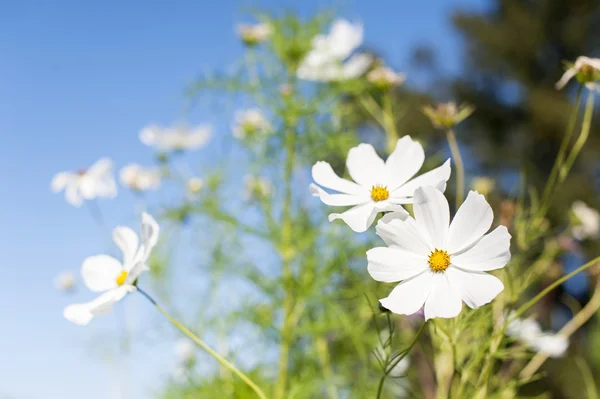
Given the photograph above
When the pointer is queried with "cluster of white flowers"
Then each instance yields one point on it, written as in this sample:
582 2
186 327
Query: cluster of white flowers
251 123
529 332
439 264
330 60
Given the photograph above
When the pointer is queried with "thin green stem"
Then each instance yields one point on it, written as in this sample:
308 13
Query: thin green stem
581 140
460 169
204 346
390 123
390 367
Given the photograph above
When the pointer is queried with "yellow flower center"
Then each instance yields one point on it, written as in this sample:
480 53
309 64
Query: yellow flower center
121 278
379 193
439 260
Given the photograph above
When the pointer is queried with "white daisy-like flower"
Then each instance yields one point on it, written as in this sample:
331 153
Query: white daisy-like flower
65 281
251 123
177 138
380 186
589 220
252 35
529 332
586 70
103 273
440 264
87 184
185 351
139 178
328 58
385 77
257 187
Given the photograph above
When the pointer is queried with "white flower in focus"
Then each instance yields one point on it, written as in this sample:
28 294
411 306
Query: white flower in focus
327 60
87 184
252 35
380 186
586 70
103 273
177 138
530 333
257 187
251 123
194 185
385 77
440 264
138 178
589 219
185 351
65 281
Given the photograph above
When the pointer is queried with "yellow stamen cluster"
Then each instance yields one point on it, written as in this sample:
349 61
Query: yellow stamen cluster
121 278
439 260
379 193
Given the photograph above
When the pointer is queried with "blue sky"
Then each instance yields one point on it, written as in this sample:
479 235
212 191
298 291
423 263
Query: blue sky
77 81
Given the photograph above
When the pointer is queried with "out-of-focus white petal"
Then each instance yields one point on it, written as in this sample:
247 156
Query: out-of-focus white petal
404 162
490 253
356 66
127 240
135 272
100 272
358 218
82 314
339 199
568 75
476 288
344 37
553 345
73 196
432 214
471 222
102 167
400 230
394 264
61 180
444 298
410 295
365 166
149 235
198 137
323 174
436 177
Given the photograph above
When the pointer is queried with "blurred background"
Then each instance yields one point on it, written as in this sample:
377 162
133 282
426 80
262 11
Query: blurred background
79 80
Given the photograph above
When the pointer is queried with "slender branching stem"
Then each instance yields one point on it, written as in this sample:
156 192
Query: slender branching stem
460 168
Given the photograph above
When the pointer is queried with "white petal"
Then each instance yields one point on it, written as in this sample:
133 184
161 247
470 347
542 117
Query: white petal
135 272
149 135
568 75
553 345
402 164
343 38
471 222
400 230
436 177
198 137
78 313
73 196
356 66
100 272
410 295
339 199
365 166
432 214
394 264
359 218
101 167
127 240
83 313
490 253
476 288
323 174
61 180
149 235
444 298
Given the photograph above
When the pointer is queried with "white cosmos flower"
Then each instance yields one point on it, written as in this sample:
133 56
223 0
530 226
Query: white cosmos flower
86 184
103 273
385 77
251 123
586 70
327 60
589 219
380 186
65 281
177 138
440 264
254 34
530 333
139 178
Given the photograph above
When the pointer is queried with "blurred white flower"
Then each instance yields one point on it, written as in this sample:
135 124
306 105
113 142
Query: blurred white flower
252 35
483 185
177 138
65 281
251 123
194 185
385 77
586 70
257 187
328 58
86 184
529 332
589 219
438 263
448 115
139 178
103 273
380 186
185 351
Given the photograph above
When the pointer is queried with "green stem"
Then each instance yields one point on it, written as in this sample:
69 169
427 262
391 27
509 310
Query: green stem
585 132
204 346
390 124
390 367
460 169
